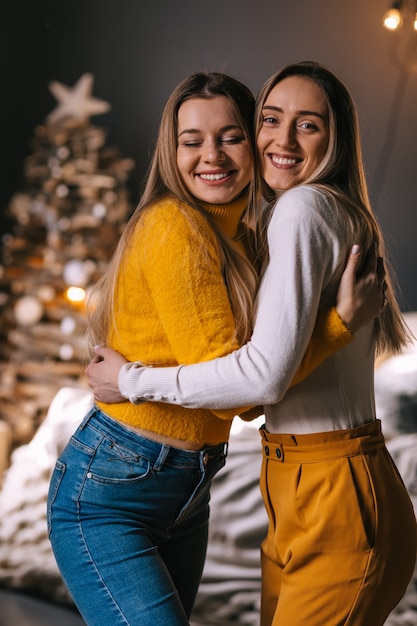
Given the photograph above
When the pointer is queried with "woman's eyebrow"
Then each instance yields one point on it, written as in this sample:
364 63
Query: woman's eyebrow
270 107
194 131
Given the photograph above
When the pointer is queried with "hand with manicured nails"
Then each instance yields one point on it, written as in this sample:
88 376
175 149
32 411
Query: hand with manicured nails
359 299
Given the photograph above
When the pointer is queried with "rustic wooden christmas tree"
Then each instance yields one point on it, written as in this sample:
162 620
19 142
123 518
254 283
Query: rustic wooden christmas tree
66 223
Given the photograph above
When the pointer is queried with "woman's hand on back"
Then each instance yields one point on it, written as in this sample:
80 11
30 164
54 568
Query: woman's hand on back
103 373
360 299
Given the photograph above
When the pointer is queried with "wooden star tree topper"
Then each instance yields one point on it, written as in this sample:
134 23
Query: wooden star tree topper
75 103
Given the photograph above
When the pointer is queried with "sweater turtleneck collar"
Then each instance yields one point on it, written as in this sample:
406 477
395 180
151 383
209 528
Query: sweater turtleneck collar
227 216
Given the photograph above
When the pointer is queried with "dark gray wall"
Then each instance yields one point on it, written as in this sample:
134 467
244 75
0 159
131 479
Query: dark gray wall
139 51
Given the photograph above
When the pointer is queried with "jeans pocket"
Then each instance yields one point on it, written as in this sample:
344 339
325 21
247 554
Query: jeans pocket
56 479
115 463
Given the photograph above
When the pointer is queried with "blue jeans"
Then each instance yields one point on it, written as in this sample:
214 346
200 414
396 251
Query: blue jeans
128 523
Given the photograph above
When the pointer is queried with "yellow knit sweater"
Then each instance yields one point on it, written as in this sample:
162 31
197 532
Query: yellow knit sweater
172 307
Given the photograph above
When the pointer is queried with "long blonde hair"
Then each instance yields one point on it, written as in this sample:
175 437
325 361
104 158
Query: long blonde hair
164 180
341 173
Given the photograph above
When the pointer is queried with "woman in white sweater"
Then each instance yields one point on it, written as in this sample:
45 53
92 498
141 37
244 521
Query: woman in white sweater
341 543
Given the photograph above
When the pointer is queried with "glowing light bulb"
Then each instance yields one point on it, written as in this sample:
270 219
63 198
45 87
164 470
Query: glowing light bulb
393 19
415 22
75 294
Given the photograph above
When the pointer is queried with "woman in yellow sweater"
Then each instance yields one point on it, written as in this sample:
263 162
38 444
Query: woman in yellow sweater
128 501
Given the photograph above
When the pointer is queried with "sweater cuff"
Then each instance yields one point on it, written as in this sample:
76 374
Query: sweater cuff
140 383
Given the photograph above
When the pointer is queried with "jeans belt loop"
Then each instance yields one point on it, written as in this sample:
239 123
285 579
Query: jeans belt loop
87 417
161 457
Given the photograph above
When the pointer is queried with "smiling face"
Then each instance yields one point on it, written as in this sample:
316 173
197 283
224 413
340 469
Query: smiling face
213 154
294 132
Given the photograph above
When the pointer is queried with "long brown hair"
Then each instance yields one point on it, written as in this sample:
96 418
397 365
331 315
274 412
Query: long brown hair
164 180
341 173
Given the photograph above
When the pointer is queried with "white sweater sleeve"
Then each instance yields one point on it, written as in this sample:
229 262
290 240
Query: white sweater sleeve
307 242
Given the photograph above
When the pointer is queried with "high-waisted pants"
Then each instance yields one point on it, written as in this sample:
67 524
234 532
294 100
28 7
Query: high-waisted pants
128 520
342 537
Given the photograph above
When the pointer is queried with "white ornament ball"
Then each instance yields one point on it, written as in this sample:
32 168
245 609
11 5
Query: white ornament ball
68 325
99 210
66 352
62 191
75 273
28 310
46 293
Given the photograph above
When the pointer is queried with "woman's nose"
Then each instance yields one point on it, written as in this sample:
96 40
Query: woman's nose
285 136
212 152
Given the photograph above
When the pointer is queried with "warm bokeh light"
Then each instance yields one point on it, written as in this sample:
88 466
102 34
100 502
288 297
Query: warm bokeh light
76 294
393 19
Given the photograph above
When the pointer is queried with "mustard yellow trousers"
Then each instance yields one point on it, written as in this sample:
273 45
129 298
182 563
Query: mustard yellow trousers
342 537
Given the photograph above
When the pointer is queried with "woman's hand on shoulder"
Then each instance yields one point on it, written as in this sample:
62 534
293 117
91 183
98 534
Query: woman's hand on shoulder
360 299
103 373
